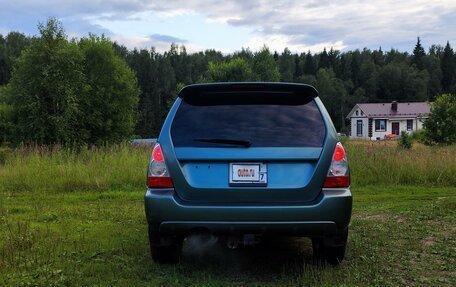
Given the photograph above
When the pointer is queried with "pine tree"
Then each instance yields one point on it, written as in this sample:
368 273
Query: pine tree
378 57
309 65
324 60
447 63
418 54
334 59
287 66
298 67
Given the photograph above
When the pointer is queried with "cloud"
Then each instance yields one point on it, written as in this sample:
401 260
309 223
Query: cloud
161 43
167 38
279 42
295 24
356 23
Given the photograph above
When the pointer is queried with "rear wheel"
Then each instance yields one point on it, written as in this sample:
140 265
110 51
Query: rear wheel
331 250
165 250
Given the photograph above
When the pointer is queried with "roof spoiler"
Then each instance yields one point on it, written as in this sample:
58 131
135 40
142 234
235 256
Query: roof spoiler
249 86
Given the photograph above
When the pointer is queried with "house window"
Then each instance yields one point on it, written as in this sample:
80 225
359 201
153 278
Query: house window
359 128
410 125
356 112
380 125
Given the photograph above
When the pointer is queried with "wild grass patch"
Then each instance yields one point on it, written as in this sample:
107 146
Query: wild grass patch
384 163
123 167
119 167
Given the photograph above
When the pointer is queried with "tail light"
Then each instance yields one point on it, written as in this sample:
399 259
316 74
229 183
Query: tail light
338 174
157 174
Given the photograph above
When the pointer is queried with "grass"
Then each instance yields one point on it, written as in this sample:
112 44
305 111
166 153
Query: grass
399 236
123 167
66 221
105 168
384 163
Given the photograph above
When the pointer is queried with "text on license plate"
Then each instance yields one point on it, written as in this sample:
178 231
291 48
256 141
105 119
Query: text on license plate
248 173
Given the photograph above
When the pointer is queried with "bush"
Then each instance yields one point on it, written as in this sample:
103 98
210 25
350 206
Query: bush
418 136
440 127
405 141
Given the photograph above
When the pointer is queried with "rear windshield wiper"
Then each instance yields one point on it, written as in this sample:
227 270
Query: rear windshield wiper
243 143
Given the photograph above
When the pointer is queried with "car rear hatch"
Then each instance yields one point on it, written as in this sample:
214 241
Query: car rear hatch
247 143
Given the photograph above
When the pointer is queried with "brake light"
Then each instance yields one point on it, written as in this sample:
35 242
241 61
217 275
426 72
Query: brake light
338 173
157 173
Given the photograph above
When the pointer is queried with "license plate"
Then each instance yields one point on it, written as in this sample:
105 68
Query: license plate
248 174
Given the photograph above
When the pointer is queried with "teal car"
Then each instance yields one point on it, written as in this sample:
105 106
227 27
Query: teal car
247 160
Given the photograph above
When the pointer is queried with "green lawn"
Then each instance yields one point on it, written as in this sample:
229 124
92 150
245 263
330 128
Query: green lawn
399 236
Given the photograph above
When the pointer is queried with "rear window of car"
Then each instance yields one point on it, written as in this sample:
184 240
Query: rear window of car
264 119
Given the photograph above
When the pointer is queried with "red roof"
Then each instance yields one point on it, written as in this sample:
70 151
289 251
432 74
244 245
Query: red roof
377 110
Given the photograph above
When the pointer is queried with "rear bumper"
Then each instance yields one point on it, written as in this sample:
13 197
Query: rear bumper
329 214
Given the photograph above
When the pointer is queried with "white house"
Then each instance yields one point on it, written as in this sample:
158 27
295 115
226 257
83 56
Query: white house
376 121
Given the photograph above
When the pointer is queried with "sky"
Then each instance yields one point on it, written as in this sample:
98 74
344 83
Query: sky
230 25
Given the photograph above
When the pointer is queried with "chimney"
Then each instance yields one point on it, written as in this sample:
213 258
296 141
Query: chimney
394 106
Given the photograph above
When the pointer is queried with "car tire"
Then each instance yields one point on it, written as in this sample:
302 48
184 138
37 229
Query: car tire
335 255
332 254
170 253
166 254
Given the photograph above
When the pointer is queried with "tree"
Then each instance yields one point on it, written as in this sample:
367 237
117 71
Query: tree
179 60
11 48
333 95
213 56
334 59
355 64
287 66
414 84
56 100
298 66
63 92
310 67
324 61
145 64
47 80
431 64
436 50
166 88
368 77
234 70
390 83
346 69
245 54
418 55
448 68
378 57
440 127
6 126
110 104
394 56
265 67
4 68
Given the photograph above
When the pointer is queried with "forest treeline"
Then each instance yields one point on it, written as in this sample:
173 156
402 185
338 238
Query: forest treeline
342 78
